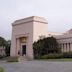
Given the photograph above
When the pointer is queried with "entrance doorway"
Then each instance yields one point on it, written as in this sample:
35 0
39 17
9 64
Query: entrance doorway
23 41
23 50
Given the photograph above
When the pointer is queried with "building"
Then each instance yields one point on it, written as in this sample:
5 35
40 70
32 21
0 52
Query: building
25 32
65 41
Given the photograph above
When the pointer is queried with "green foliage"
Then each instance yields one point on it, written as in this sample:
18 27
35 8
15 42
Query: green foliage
52 56
1 69
45 46
2 42
1 57
56 56
7 49
67 55
5 44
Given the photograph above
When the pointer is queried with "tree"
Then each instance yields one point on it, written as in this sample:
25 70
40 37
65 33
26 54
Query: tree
6 45
2 41
38 48
2 46
45 46
7 49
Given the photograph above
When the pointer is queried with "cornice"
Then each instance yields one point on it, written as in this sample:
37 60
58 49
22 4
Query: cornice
30 19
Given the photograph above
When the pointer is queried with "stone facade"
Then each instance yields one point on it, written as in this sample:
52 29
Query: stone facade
24 33
65 41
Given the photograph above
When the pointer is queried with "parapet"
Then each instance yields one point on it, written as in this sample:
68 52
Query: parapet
30 19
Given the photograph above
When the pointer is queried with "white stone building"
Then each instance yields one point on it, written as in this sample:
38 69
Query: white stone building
26 31
65 41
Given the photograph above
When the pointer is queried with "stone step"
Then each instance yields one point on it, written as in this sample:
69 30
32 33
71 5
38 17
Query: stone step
23 58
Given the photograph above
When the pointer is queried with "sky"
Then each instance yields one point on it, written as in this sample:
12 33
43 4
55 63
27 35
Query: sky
57 12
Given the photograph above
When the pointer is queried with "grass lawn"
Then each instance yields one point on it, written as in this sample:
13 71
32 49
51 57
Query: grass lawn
1 69
64 59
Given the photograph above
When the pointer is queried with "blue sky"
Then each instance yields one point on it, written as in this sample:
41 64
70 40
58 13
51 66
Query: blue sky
57 12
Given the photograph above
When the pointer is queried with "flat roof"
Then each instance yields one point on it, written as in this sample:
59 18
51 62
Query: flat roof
30 19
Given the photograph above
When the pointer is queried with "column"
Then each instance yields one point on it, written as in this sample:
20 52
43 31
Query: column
18 46
13 47
70 46
64 47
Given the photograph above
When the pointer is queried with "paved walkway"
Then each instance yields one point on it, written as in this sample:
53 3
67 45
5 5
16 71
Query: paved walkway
37 66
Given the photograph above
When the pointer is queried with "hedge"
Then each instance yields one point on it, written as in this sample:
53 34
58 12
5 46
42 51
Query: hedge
67 55
56 56
52 56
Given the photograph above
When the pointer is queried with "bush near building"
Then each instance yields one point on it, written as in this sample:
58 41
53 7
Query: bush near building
52 56
65 55
45 46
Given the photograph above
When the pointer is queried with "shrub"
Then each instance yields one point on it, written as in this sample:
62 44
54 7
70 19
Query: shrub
55 56
52 56
67 55
12 59
2 56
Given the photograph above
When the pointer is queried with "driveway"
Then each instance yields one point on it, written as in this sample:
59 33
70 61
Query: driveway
37 66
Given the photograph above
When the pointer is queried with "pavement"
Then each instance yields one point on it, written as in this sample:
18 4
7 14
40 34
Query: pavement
37 66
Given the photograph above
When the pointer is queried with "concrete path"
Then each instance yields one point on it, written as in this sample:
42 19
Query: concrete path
37 66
